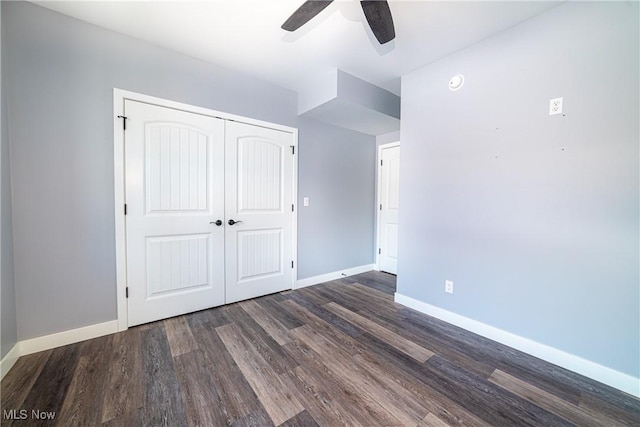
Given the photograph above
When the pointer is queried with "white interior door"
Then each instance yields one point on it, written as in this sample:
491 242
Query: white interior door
174 190
389 196
259 211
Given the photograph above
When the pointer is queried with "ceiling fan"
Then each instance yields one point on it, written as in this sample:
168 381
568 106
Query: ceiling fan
377 13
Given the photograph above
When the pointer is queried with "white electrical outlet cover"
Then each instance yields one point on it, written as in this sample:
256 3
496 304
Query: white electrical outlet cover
555 106
448 286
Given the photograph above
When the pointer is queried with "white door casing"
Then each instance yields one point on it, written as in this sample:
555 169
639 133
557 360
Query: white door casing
174 194
388 196
260 200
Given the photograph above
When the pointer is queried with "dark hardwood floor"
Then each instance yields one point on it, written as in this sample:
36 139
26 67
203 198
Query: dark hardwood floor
339 353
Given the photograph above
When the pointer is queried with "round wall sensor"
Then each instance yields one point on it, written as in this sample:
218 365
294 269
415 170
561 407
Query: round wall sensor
456 82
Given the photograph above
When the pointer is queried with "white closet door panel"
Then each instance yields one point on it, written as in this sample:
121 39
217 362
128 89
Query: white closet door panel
260 175
260 254
174 191
177 263
391 242
392 188
177 169
259 194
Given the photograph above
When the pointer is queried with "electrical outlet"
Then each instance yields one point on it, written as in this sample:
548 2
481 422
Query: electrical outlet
555 106
305 201
448 286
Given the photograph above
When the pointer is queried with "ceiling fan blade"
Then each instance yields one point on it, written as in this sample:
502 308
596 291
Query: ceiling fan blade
305 13
380 20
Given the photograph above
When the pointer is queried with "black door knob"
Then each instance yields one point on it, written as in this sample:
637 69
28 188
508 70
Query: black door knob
218 223
231 222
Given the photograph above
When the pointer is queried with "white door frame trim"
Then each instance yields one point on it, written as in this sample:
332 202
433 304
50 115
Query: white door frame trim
119 98
379 195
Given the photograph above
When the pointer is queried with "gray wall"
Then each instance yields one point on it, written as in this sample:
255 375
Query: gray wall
358 91
60 75
339 176
535 218
388 138
8 332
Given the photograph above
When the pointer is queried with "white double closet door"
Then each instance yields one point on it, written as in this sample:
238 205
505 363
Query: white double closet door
209 214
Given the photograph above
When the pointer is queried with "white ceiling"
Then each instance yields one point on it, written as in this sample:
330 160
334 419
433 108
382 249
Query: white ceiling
245 35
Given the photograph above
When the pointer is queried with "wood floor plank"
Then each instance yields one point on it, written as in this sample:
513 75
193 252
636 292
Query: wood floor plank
124 393
418 394
414 350
309 293
163 401
548 401
131 418
19 381
257 418
218 316
197 319
341 296
49 390
277 400
271 303
84 399
325 397
238 402
383 282
202 404
313 305
410 373
544 375
179 334
400 405
602 410
345 341
303 419
261 341
448 349
432 421
351 297
487 400
319 402
269 323
367 293
375 299
331 399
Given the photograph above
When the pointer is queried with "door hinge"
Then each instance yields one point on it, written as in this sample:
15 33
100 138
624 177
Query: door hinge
380 206
293 149
124 122
126 292
380 162
125 208
291 264
379 251
292 208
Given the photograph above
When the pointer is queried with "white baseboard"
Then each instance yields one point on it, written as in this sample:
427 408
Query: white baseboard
46 342
333 276
59 339
9 360
608 376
